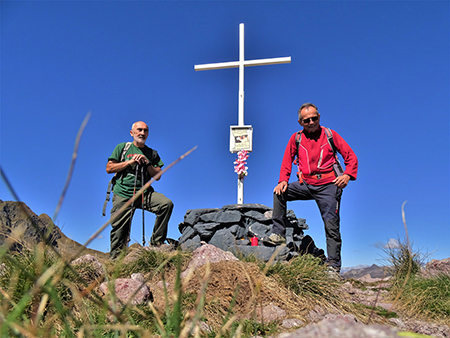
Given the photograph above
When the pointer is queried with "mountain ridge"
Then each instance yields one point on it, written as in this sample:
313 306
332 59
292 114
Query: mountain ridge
20 226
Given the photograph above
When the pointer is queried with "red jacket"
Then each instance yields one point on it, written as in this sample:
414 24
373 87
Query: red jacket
316 157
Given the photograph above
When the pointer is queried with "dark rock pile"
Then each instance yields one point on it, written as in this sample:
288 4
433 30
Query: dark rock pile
234 227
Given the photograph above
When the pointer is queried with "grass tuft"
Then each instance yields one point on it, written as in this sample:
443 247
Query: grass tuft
413 294
425 298
403 260
145 260
307 276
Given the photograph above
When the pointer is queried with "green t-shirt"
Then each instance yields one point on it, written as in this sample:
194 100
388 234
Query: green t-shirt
124 185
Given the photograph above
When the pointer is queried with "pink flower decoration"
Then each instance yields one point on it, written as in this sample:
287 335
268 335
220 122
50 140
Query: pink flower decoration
240 163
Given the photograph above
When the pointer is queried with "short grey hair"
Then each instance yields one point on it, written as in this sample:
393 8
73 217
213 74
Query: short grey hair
306 105
132 126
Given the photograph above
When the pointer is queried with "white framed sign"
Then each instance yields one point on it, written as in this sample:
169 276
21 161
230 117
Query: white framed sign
241 138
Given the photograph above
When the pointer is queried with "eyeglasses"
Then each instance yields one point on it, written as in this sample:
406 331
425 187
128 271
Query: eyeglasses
314 119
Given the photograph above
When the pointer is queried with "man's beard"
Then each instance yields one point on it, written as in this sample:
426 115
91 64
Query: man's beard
139 141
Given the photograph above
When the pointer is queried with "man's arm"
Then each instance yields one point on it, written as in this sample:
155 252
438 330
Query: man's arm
286 165
350 160
152 171
289 155
114 166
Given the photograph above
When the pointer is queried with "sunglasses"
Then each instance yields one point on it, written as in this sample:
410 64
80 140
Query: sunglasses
314 119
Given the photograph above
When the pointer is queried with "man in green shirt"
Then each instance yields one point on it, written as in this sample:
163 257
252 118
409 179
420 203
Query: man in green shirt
127 182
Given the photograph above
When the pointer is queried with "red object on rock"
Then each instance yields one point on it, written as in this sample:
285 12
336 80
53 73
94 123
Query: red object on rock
254 241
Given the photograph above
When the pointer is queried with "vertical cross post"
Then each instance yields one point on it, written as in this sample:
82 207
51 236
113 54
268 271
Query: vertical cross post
241 74
241 64
240 181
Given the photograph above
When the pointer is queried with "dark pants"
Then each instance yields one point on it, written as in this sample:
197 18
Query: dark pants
328 199
154 202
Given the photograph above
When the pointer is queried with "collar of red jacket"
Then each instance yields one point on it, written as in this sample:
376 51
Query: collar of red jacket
314 135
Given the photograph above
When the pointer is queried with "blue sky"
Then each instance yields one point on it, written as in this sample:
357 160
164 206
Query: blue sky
377 70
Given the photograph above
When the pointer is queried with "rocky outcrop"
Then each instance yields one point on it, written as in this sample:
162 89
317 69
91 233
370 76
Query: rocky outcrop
338 326
20 226
207 254
424 328
234 227
95 270
343 326
128 290
436 267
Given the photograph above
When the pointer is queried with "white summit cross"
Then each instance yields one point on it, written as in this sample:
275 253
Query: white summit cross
241 64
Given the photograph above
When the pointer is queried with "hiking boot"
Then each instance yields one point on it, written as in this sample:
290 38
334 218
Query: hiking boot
274 239
334 273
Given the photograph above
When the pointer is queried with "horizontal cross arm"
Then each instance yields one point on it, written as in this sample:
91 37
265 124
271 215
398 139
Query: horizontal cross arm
220 65
248 63
265 62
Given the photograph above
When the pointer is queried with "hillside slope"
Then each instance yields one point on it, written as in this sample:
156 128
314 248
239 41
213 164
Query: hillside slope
19 225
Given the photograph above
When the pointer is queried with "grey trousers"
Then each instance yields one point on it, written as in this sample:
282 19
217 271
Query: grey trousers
154 202
328 199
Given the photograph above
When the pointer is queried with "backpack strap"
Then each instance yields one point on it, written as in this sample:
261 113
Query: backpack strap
330 140
154 155
108 193
298 140
124 151
113 180
337 167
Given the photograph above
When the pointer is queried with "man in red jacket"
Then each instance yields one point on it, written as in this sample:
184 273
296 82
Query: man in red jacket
317 180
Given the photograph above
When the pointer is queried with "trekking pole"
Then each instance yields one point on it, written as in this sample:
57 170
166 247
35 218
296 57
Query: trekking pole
132 203
135 181
143 222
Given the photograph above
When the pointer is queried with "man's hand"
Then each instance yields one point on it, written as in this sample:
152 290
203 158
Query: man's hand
341 181
140 159
114 166
280 188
